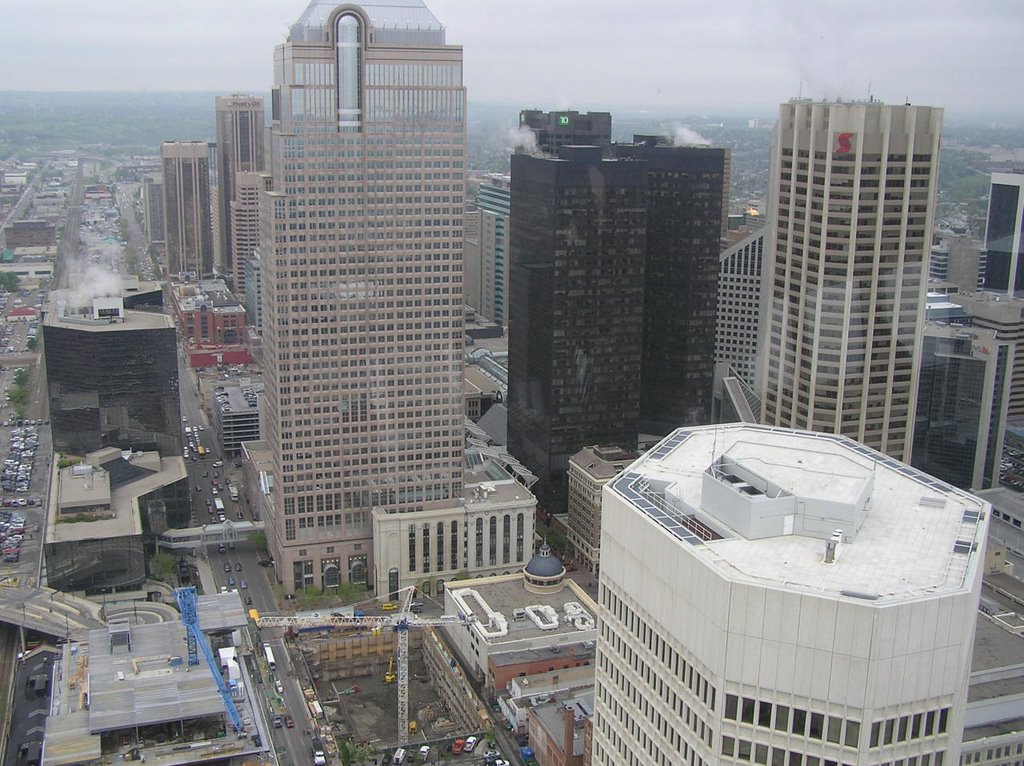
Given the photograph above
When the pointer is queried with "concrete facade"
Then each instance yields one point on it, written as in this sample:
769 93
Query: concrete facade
853 202
188 231
737 626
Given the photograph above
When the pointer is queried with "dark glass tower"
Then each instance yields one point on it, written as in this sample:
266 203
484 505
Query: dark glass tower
578 232
1004 234
112 379
687 188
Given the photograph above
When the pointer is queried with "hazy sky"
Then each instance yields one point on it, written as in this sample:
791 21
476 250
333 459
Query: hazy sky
735 55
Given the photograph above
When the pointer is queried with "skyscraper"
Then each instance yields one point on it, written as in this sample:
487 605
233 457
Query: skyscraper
361 250
111 376
613 289
556 129
493 199
245 223
962 399
578 231
852 192
239 150
771 596
187 229
1004 234
687 206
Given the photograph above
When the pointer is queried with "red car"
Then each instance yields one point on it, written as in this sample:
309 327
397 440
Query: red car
457 745
289 722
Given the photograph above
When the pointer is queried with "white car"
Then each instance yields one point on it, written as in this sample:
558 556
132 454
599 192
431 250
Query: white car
470 744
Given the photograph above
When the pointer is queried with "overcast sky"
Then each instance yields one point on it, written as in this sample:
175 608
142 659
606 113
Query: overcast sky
730 55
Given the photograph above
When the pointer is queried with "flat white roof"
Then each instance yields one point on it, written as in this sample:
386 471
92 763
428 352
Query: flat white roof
917 536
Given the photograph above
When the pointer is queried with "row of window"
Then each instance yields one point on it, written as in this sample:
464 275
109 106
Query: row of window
749 752
682 752
677 665
792 720
909 727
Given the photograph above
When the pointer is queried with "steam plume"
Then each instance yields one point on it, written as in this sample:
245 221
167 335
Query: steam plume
684 136
522 138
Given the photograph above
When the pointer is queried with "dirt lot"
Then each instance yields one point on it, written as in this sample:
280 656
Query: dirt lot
367 709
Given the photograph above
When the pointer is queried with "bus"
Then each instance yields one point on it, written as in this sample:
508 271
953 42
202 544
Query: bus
218 505
269 654
201 450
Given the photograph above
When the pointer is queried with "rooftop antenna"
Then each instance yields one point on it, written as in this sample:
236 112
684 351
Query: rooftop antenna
871 98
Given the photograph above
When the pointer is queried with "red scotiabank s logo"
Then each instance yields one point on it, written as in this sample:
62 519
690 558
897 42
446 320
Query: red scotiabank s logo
844 143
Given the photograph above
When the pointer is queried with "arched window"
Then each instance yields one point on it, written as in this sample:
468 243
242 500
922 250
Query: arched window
506 542
350 71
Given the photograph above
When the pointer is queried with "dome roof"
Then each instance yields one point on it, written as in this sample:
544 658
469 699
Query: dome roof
545 564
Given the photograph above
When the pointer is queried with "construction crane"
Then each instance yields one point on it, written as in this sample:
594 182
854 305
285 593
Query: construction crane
186 598
400 621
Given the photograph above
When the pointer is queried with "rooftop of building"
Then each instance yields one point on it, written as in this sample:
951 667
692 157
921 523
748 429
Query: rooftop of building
489 478
384 15
977 335
476 381
103 685
583 650
550 716
763 505
507 612
998 307
603 462
210 295
110 481
77 310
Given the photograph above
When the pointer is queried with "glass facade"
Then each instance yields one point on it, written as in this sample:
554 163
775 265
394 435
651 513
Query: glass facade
1004 236
113 387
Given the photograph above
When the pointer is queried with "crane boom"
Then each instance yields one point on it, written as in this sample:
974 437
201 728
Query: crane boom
400 621
186 598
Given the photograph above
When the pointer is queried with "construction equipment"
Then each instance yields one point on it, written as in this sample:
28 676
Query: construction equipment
400 621
186 598
389 677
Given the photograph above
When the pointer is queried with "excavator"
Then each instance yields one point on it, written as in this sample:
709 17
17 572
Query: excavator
389 677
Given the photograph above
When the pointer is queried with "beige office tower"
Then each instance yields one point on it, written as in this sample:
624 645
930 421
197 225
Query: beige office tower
361 249
239 150
853 188
245 220
187 231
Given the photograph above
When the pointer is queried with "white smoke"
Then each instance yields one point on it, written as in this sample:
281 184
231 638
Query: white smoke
522 138
684 136
94 282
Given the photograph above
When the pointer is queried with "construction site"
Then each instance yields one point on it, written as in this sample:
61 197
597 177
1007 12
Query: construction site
356 677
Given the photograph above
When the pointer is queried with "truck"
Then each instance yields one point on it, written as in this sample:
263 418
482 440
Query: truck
319 755
233 491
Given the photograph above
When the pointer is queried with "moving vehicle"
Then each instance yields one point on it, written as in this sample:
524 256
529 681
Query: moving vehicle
319 756
201 450
219 505
388 606
269 654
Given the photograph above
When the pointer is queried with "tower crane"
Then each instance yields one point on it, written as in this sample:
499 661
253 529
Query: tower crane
400 621
186 598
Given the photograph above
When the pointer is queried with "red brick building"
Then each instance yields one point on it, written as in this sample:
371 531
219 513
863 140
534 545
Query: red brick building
207 313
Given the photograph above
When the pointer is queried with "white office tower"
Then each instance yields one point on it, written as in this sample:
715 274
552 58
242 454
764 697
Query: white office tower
852 199
771 596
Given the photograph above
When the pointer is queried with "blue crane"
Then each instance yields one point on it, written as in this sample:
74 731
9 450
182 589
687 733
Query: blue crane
186 598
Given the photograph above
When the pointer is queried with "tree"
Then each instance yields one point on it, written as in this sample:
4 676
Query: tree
8 281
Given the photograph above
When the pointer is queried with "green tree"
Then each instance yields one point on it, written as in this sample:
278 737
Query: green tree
31 344
8 281
162 566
